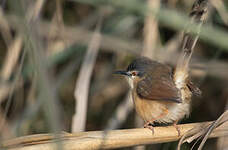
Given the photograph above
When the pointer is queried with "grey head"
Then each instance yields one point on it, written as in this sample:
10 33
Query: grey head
138 67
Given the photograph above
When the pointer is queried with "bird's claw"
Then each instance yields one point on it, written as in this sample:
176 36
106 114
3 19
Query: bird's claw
149 126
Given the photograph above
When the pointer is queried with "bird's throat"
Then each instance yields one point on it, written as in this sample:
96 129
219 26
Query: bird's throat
130 82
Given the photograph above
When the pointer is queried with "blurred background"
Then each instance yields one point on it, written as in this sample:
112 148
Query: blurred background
57 59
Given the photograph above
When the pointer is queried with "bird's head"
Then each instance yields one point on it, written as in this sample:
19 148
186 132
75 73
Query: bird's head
137 69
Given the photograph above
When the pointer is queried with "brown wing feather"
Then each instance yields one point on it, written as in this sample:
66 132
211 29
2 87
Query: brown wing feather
158 85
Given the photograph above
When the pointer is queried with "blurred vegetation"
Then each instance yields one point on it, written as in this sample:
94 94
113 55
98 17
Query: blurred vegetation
37 84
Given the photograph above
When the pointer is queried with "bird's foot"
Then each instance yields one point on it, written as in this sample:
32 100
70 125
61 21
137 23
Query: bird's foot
149 125
177 128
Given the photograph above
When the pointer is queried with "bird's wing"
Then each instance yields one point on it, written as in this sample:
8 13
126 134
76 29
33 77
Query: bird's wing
158 87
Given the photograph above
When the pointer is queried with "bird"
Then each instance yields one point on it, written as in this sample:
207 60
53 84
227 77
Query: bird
159 95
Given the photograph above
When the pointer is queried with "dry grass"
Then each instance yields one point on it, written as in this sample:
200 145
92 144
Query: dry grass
109 139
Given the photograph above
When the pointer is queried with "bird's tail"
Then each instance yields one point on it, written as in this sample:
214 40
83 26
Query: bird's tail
198 15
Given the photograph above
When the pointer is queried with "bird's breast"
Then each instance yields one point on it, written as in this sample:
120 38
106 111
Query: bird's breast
160 111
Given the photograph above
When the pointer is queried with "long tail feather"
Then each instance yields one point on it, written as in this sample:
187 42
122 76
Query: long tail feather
197 15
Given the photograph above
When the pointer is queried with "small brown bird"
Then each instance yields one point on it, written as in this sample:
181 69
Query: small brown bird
158 93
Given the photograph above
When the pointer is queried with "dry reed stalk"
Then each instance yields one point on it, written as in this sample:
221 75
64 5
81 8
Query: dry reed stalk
10 62
5 29
94 140
11 58
220 7
222 142
151 32
34 11
205 132
82 85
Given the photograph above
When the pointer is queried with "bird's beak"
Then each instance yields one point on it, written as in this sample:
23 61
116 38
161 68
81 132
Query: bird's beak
122 73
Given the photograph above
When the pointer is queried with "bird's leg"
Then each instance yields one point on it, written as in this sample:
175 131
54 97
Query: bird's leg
177 128
149 124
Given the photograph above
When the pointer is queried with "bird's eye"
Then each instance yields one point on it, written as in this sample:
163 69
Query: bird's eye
134 73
